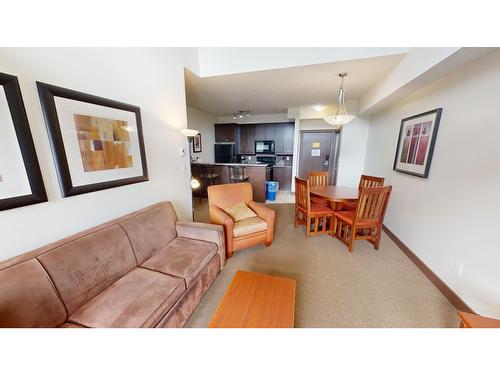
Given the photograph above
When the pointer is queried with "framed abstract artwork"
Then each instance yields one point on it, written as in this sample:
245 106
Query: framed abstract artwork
21 181
197 143
97 143
417 137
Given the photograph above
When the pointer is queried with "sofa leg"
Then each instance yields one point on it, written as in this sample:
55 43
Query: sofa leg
269 243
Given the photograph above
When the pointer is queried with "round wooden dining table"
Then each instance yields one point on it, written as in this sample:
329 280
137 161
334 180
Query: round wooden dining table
336 194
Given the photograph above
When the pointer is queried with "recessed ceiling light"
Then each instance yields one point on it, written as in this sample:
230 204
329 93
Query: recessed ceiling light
319 107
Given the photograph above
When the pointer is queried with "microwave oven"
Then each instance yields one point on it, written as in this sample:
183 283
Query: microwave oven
264 147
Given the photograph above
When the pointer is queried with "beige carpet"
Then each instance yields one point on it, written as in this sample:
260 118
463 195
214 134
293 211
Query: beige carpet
335 288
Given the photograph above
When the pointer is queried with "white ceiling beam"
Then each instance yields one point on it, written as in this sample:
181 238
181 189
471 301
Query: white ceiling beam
216 61
418 68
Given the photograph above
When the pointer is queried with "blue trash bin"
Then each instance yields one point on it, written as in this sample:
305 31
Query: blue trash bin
272 188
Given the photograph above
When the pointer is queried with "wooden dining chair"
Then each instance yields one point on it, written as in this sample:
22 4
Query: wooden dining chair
365 222
364 181
317 218
370 181
318 178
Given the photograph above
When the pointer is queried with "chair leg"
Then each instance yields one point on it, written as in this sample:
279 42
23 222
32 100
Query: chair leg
352 239
308 226
377 239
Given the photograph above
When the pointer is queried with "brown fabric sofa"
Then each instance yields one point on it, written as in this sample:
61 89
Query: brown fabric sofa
146 269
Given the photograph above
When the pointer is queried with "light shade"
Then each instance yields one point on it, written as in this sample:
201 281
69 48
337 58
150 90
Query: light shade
338 119
195 184
189 132
340 116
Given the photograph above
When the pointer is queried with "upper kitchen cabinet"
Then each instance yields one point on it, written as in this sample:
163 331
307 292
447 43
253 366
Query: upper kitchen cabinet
225 132
246 140
284 133
260 132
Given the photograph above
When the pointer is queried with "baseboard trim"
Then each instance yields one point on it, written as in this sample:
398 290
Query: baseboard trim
454 299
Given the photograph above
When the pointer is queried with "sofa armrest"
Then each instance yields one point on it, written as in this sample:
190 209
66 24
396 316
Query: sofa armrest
204 232
267 214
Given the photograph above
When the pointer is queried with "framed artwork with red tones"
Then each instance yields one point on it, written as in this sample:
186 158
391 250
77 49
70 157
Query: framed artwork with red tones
97 143
417 138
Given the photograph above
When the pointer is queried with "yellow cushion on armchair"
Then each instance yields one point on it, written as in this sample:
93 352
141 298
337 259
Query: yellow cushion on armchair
240 211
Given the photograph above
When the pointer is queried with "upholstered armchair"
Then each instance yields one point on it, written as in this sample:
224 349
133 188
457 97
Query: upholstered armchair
244 233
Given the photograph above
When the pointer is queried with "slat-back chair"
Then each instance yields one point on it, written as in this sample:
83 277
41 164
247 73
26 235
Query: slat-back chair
364 223
318 178
371 181
364 181
317 218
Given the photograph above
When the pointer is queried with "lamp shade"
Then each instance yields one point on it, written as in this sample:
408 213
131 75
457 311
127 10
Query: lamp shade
195 184
338 119
189 132
340 116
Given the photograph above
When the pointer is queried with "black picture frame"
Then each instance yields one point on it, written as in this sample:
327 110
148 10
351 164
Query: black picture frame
196 149
47 93
437 112
10 85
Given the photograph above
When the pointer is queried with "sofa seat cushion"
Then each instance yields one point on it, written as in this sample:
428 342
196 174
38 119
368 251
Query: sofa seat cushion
248 226
183 257
139 299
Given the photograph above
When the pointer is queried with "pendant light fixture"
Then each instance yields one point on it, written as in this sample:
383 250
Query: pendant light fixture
340 116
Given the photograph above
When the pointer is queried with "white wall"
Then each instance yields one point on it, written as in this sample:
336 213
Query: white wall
204 122
352 147
454 214
152 79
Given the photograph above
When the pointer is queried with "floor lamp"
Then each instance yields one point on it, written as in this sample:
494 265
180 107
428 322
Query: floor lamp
195 184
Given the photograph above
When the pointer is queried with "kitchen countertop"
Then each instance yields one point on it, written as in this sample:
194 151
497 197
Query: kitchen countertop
232 164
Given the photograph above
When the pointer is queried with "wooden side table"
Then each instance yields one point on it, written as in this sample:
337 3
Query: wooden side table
468 320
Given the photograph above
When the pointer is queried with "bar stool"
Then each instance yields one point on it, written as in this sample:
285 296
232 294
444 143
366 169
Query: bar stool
209 176
237 174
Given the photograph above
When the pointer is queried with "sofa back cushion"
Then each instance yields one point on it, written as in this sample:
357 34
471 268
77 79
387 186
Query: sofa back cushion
83 268
151 230
28 298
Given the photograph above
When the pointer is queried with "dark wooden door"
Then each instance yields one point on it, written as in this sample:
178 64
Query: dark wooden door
316 153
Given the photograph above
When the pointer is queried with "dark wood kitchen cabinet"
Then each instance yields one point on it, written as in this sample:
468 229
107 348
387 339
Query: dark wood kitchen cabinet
260 132
225 132
284 177
284 138
245 135
289 130
246 139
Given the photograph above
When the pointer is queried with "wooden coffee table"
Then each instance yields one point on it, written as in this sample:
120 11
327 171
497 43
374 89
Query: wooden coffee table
254 300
